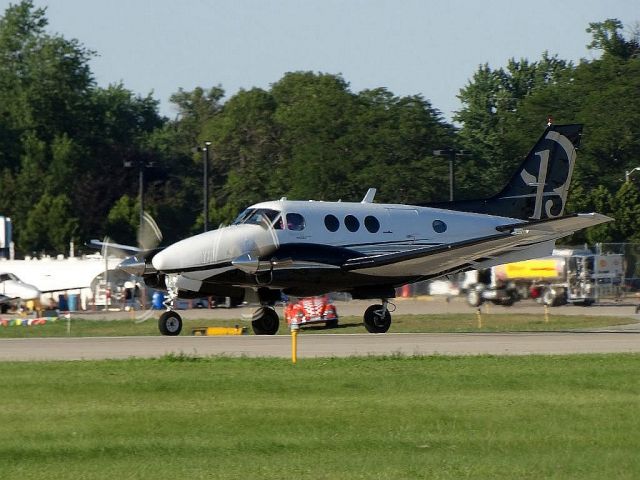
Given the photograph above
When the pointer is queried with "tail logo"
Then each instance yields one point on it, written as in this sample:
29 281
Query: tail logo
555 196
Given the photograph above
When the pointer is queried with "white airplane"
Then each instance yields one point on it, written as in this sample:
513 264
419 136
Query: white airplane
51 275
13 289
307 248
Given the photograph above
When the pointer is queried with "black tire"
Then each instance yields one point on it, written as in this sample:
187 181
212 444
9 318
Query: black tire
373 322
331 323
267 324
512 297
170 323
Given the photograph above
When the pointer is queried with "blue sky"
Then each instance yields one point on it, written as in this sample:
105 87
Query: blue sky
411 47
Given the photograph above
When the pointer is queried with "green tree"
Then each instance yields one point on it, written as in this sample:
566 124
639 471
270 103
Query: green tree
50 225
492 129
607 37
627 213
123 220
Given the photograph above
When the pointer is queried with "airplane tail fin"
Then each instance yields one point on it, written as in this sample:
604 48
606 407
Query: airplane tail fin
538 189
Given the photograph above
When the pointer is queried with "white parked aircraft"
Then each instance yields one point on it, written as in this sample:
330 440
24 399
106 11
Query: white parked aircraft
13 289
367 249
49 275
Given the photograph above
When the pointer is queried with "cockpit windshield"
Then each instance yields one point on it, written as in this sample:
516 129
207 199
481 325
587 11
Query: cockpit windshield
259 216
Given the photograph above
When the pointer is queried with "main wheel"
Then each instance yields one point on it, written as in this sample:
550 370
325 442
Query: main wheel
170 323
267 324
374 322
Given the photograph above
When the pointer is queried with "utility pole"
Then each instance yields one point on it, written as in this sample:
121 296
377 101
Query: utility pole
628 173
141 163
141 191
205 181
451 154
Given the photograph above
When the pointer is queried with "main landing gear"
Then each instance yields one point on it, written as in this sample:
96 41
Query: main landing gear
377 318
265 321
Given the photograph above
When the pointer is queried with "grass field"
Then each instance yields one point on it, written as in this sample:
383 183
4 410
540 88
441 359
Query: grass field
401 323
360 418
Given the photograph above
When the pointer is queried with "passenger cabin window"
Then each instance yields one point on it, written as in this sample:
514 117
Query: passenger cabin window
295 221
439 226
259 216
372 224
351 223
332 223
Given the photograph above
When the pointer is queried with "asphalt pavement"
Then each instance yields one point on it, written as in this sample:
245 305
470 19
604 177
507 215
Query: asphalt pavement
624 338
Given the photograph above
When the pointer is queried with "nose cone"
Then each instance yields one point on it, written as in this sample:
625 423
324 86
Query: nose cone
193 252
165 261
27 292
211 249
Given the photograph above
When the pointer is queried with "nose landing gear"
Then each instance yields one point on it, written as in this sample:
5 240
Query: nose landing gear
170 322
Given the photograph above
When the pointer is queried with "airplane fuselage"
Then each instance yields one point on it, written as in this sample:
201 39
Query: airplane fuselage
366 249
298 246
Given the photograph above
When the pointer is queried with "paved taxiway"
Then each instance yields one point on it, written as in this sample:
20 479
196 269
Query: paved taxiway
624 338
321 345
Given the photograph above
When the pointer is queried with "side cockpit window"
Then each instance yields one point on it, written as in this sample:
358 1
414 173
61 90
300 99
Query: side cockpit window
260 216
295 221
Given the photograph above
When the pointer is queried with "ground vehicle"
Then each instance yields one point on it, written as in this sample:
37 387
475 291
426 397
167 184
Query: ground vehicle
312 310
568 276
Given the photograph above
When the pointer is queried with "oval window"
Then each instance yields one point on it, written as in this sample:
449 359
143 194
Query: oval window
439 226
372 224
332 223
351 223
295 221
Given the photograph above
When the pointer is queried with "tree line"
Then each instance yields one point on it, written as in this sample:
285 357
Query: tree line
64 141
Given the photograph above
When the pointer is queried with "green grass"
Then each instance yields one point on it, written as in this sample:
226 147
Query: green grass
526 417
401 323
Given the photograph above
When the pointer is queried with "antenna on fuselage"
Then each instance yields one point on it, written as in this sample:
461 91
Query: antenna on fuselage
368 198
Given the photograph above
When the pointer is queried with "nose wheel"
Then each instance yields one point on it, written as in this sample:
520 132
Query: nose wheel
377 318
170 323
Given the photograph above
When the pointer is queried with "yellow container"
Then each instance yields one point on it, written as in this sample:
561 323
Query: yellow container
210 331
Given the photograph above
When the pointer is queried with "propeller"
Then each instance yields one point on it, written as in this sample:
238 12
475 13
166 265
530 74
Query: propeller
263 245
149 234
149 237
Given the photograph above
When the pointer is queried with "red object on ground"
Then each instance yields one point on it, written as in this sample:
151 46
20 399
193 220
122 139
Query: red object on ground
535 292
311 310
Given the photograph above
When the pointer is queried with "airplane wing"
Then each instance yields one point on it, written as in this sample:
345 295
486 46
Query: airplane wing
525 240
